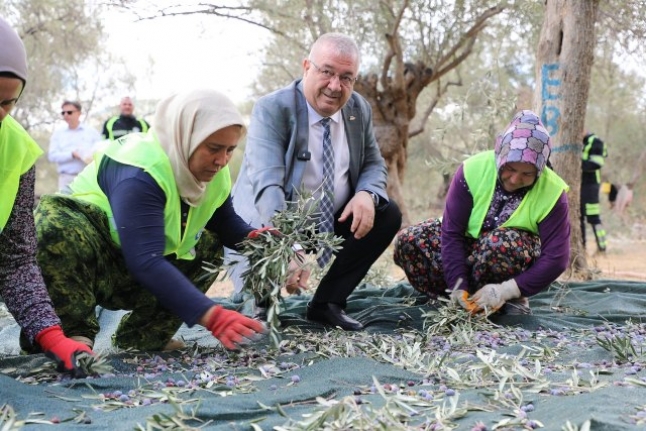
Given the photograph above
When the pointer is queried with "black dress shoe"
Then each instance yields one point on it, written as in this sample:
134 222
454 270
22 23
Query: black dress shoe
332 314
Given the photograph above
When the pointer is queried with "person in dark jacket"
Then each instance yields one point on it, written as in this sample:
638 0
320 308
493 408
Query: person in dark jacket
593 158
124 123
505 232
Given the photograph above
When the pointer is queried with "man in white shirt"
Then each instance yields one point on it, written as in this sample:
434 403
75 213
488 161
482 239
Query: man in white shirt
69 146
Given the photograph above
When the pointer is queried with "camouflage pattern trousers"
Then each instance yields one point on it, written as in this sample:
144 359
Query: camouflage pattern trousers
83 268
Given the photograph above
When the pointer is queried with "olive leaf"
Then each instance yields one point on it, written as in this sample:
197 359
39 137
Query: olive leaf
269 255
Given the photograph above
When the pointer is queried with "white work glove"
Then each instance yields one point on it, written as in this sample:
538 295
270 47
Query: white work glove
493 296
461 297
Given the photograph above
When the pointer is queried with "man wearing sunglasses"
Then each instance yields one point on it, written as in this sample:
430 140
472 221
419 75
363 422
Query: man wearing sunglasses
70 146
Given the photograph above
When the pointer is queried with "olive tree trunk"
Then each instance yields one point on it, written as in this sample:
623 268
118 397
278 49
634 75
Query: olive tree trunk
563 66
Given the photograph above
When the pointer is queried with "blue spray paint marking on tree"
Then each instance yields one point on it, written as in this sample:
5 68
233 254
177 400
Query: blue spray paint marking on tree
566 148
550 91
551 114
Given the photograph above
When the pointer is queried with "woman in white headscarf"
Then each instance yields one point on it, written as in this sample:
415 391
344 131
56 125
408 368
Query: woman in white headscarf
21 284
140 222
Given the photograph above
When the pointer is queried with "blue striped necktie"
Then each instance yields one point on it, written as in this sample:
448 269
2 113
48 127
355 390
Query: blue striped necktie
327 199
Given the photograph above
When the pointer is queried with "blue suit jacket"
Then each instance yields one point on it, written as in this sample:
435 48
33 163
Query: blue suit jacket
272 171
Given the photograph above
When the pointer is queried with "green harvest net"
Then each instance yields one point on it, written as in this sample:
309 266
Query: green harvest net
576 363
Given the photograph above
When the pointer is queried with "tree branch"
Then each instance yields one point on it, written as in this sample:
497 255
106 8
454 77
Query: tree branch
440 91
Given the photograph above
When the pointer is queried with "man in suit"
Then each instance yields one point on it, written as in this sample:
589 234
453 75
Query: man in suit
284 155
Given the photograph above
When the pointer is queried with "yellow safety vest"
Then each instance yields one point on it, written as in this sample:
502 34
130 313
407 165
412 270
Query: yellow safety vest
481 175
110 125
18 153
145 152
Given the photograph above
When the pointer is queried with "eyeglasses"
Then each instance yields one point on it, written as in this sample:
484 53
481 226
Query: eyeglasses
345 80
68 112
5 104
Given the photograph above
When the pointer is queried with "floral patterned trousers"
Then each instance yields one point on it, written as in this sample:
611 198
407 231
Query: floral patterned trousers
494 257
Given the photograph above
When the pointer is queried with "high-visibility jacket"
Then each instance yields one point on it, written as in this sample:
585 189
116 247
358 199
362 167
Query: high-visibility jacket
145 152
593 158
18 153
109 126
481 175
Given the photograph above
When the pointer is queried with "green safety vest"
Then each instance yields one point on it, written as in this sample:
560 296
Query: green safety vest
110 124
154 161
481 175
18 153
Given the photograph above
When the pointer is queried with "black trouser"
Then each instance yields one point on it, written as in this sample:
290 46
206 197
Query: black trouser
357 255
591 211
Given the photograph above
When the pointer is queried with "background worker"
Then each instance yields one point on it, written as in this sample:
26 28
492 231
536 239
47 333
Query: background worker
593 158
124 123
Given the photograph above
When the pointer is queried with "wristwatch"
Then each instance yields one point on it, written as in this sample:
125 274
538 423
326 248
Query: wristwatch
375 198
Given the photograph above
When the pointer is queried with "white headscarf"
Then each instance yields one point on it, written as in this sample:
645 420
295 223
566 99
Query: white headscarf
182 122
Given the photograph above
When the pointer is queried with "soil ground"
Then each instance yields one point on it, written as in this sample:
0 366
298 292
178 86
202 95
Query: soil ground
625 259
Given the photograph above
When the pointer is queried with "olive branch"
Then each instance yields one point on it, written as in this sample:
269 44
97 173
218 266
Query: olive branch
269 255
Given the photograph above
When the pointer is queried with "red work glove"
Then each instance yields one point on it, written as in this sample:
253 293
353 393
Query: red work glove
267 229
61 349
231 327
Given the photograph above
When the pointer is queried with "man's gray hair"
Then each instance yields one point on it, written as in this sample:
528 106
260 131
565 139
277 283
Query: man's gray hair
343 44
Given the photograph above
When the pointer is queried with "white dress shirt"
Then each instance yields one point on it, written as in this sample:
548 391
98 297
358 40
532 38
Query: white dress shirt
65 141
313 173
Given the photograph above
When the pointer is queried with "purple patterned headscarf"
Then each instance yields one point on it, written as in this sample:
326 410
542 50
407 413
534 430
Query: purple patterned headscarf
524 140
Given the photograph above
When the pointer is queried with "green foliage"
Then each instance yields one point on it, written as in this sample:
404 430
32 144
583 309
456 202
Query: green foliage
9 420
621 347
89 365
179 421
65 45
269 255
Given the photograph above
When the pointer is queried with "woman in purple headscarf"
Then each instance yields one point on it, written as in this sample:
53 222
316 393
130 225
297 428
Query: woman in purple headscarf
505 233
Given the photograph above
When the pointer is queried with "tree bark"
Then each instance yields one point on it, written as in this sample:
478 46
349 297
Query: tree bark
393 109
563 66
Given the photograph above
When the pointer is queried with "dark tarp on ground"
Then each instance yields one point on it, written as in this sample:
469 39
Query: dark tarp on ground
383 311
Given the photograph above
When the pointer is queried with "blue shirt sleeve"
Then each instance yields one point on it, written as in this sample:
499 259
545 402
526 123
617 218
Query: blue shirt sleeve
137 204
228 225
